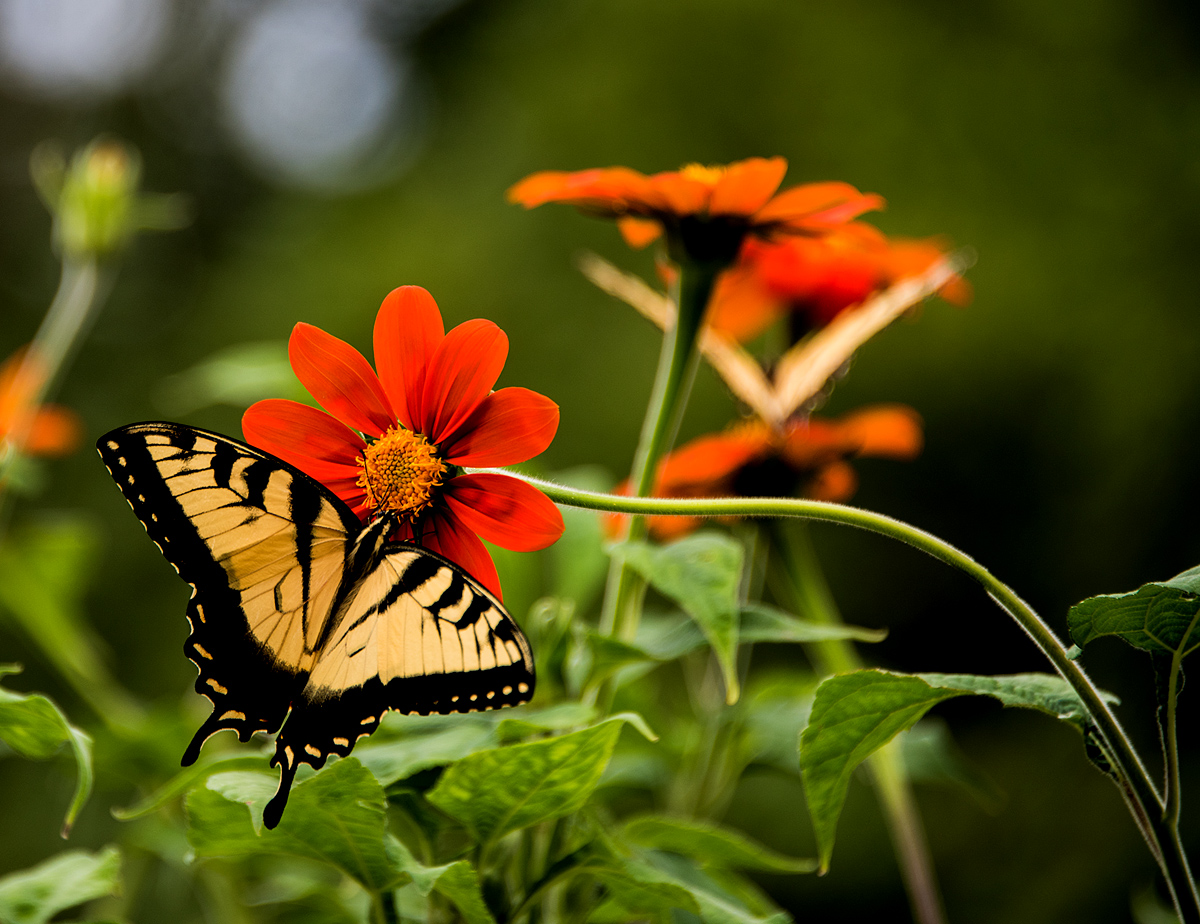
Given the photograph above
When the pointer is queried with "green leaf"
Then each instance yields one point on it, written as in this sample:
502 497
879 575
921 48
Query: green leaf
35 728
855 714
713 903
337 816
522 722
183 782
700 573
1160 617
775 711
639 889
508 788
710 845
34 896
392 761
457 881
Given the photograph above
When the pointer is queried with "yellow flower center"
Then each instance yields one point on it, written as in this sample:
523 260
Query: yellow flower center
703 174
400 472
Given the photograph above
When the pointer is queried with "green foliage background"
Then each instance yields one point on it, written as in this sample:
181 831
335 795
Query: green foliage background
1058 140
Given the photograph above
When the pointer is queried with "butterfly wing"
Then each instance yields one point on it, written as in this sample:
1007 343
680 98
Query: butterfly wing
264 548
417 634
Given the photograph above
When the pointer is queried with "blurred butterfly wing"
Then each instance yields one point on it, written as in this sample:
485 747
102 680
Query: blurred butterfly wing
264 548
417 634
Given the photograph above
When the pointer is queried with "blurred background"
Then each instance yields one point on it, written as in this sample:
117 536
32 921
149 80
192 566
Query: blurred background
331 151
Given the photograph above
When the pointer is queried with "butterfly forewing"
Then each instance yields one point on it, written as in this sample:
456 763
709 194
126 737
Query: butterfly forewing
264 549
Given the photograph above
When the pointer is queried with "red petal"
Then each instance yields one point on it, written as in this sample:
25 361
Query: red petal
341 380
702 466
811 199
682 195
451 539
505 510
509 426
611 191
460 374
889 430
311 440
747 186
55 431
408 330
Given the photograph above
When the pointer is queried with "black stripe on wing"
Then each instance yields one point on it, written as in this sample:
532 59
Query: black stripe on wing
329 719
250 689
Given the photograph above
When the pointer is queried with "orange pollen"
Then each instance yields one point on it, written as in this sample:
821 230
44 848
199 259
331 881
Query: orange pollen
400 472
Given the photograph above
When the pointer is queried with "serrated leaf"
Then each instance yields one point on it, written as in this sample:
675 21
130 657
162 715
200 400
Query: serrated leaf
710 844
398 759
457 881
855 714
337 816
508 788
701 574
35 895
34 727
1162 617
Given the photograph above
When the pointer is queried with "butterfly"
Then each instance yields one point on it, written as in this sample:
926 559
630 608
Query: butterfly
302 617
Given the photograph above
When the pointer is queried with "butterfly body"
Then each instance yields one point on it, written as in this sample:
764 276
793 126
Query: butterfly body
302 618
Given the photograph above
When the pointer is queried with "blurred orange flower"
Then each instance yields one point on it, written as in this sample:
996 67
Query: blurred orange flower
707 210
804 457
49 430
814 279
394 443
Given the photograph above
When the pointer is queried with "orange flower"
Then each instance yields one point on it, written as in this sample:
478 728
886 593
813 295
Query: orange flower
707 211
804 457
48 430
815 279
396 442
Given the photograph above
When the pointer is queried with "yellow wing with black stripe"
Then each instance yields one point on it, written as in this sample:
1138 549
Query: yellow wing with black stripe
297 611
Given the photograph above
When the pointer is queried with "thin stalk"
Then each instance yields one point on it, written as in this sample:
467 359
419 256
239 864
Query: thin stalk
385 907
677 364
1142 796
1171 807
814 598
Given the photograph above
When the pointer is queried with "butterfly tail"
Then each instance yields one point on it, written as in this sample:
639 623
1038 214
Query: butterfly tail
287 764
211 726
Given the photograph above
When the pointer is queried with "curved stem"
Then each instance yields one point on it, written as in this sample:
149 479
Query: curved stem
1144 800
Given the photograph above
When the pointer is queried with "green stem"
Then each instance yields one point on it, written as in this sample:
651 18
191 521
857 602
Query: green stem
1171 736
677 364
1142 796
814 599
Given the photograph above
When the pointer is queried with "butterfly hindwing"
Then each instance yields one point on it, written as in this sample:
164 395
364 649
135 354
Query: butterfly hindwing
262 545
417 635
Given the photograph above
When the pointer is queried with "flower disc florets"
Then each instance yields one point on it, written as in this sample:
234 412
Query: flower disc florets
401 472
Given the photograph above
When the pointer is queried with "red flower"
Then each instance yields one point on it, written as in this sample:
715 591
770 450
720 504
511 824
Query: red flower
709 210
396 442
815 279
48 430
804 457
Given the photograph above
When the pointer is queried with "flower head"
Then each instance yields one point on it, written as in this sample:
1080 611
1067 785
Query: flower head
396 437
812 280
705 211
48 430
804 457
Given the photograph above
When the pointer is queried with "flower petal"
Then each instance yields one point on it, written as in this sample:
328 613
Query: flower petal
681 194
891 431
812 199
741 306
639 232
833 482
309 439
509 426
451 539
459 376
504 510
341 380
699 468
408 330
611 191
747 186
